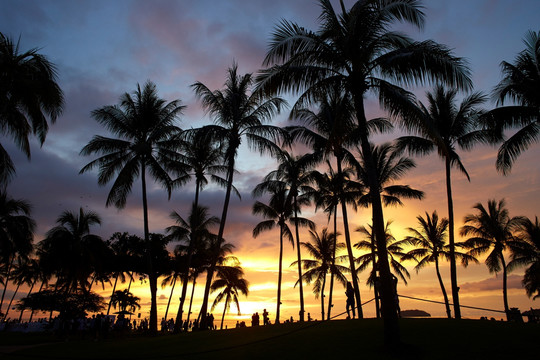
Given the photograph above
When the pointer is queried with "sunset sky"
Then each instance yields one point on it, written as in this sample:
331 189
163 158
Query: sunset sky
104 48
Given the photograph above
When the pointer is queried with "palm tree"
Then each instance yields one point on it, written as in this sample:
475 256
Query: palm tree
430 244
491 230
527 253
521 84
277 212
195 233
444 127
322 249
294 175
237 113
126 301
357 51
395 249
29 96
333 189
16 234
144 124
72 251
329 132
229 280
30 274
177 268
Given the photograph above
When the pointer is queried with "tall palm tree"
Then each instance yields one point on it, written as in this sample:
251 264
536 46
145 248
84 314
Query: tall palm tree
16 234
444 127
144 124
430 244
329 132
72 251
238 112
527 253
322 248
29 97
193 233
356 50
294 175
331 190
491 230
277 213
229 280
520 84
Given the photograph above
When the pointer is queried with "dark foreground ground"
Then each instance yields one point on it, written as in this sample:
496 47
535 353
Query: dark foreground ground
339 339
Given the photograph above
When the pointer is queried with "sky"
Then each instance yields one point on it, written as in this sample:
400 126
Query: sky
103 49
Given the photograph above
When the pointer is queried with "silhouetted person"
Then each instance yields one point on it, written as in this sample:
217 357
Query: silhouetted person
265 317
350 300
396 297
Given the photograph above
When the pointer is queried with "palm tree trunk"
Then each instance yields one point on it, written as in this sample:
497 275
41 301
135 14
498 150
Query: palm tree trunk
152 279
451 242
32 312
170 297
322 296
333 265
388 297
224 311
27 295
6 282
375 283
349 248
299 256
505 286
130 280
113 290
280 272
180 313
11 301
191 300
446 303
230 176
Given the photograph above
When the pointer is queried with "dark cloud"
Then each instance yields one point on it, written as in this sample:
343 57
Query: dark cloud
493 283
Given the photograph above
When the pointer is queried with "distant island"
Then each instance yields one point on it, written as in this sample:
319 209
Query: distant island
414 313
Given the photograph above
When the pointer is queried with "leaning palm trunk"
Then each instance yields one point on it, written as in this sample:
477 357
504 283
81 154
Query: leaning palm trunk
280 272
204 307
333 265
322 296
170 297
446 304
113 290
191 300
27 295
11 301
451 242
227 300
6 282
349 249
299 256
32 312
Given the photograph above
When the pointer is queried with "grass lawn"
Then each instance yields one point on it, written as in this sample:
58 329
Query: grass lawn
423 339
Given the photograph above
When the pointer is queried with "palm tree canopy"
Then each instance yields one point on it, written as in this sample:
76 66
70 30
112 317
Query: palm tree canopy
357 51
443 126
229 279
527 253
16 228
521 85
389 167
490 229
145 125
29 95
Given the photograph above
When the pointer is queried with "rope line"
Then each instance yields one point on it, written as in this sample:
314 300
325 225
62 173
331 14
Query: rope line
440 302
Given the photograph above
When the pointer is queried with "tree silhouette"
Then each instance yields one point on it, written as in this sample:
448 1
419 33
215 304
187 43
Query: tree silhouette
322 248
29 96
430 244
357 51
444 127
229 280
491 230
238 113
520 84
144 124
527 253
